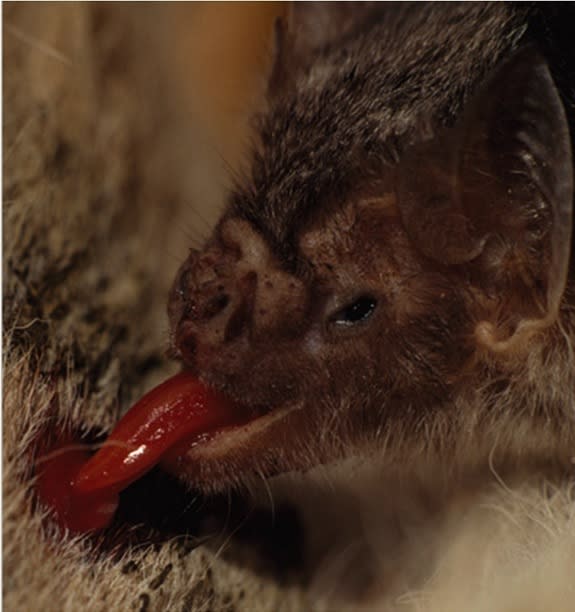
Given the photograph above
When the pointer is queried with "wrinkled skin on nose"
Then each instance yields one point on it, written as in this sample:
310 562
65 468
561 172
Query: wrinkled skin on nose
232 303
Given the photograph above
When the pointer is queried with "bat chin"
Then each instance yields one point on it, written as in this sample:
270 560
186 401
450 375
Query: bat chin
236 456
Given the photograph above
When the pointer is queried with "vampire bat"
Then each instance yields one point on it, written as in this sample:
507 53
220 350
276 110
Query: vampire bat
391 285
393 274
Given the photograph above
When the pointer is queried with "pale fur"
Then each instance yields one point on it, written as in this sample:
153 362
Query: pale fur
52 224
45 569
485 524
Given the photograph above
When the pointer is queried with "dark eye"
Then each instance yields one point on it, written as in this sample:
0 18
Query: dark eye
357 311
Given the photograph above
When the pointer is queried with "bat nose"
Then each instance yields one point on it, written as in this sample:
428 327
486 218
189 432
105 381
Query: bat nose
210 313
233 289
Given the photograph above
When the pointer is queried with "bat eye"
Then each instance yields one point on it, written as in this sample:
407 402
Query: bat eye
356 312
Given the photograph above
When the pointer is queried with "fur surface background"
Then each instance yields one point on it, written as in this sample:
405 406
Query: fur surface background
102 163
96 191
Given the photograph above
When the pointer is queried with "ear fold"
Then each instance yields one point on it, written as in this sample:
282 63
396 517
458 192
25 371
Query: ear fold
281 76
317 24
305 29
496 193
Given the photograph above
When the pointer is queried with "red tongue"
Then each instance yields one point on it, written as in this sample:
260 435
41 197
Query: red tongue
178 409
82 491
78 513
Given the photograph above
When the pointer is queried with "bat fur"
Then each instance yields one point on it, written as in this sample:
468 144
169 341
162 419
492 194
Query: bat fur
414 165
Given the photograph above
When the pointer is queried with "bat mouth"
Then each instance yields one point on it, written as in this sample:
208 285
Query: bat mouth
180 425
129 500
222 442
180 418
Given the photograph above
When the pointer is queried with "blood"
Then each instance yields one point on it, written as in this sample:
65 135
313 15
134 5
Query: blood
82 489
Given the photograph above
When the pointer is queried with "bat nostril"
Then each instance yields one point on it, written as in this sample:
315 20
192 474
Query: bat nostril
202 309
236 324
240 317
214 306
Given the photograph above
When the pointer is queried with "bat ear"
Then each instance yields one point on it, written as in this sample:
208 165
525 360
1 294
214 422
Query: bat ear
281 76
304 29
316 24
496 193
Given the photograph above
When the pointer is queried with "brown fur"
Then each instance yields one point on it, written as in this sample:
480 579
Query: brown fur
416 163
443 226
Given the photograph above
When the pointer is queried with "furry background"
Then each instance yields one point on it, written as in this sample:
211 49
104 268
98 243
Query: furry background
103 147
122 124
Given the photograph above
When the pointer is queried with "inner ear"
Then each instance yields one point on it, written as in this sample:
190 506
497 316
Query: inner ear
495 193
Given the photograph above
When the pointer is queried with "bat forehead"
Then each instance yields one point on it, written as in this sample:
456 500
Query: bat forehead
362 102
303 229
352 232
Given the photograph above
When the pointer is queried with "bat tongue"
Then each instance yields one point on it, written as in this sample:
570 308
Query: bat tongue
179 410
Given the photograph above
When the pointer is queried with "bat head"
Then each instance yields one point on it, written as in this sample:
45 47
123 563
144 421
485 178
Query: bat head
373 270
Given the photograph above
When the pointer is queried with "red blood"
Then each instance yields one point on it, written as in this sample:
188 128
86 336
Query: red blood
181 411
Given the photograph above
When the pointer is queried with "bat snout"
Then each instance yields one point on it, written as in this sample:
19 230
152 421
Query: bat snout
209 316
234 290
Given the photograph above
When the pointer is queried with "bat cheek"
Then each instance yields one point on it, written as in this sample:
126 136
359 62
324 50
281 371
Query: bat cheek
313 343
